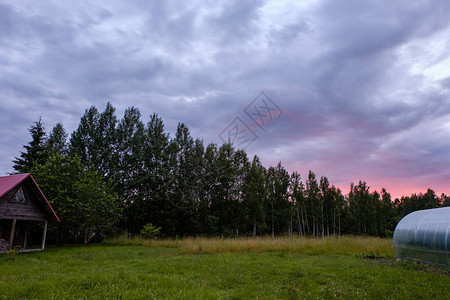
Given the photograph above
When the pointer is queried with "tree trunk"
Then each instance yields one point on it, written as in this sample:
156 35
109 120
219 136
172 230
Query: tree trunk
339 220
323 228
88 235
334 222
273 223
305 229
314 226
290 229
85 240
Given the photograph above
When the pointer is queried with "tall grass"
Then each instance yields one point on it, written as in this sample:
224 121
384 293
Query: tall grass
124 240
306 245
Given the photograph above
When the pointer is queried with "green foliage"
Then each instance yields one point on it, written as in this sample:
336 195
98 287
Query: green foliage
254 193
150 187
114 166
36 150
98 209
279 208
150 231
312 207
57 140
126 169
11 254
95 140
85 204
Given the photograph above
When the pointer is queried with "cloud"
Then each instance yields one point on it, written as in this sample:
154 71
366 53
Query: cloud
364 86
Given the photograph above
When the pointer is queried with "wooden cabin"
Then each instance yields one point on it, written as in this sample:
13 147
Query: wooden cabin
24 214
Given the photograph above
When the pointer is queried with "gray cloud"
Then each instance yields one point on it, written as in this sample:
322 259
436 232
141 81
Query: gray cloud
361 84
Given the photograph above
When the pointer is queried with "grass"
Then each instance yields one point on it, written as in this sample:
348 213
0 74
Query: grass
220 268
309 245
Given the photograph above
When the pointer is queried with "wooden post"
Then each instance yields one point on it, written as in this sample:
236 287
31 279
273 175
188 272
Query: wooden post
44 235
26 234
11 236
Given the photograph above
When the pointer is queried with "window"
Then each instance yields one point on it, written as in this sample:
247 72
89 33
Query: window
19 197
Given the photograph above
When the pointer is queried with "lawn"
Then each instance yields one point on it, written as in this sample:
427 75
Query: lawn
221 268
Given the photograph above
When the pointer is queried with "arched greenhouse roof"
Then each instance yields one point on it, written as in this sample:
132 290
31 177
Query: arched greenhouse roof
424 235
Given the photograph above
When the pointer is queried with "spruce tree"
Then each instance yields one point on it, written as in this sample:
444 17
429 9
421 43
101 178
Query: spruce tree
36 150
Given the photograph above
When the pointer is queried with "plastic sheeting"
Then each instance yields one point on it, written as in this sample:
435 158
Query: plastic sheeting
424 235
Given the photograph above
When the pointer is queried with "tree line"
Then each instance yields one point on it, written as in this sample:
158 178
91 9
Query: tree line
117 175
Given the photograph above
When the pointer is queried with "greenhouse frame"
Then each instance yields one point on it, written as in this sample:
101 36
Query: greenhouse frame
424 235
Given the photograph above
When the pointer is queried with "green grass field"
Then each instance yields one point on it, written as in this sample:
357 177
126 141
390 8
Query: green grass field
222 268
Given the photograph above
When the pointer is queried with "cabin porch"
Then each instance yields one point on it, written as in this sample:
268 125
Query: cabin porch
24 235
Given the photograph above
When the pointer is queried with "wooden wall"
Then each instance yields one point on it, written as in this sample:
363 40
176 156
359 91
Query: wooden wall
32 210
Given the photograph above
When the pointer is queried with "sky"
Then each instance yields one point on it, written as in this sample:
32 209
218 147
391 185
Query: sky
353 90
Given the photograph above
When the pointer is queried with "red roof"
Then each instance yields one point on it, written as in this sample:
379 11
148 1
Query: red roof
7 183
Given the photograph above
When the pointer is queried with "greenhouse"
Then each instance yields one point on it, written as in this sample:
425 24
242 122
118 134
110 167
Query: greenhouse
424 235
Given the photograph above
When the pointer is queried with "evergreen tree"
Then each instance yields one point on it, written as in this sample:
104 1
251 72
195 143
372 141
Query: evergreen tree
36 150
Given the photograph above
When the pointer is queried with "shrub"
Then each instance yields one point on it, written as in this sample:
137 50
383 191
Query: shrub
150 231
11 254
